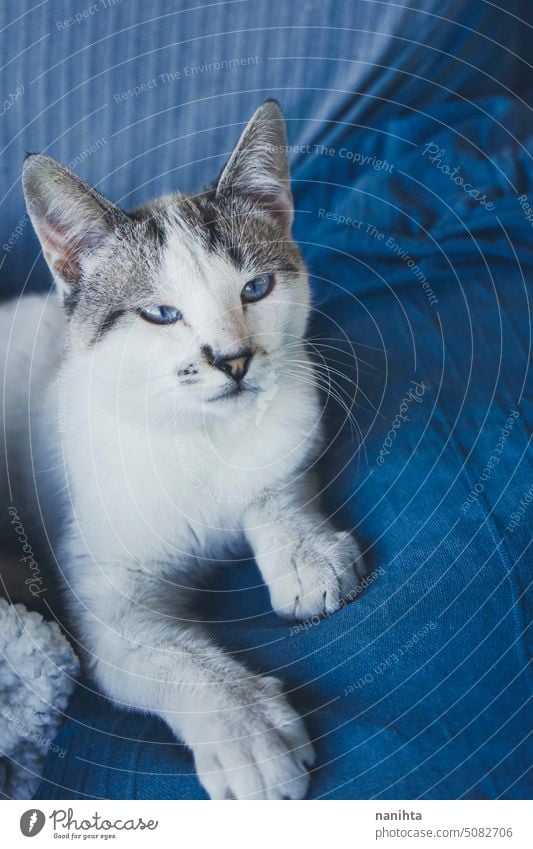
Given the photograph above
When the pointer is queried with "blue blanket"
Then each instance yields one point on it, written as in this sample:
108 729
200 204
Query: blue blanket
411 153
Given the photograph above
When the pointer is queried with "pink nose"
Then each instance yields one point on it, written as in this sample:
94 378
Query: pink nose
235 365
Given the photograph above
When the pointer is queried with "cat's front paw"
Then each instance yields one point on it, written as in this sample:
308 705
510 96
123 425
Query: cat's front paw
253 745
322 573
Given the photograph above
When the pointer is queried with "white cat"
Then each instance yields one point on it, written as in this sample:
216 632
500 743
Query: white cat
162 409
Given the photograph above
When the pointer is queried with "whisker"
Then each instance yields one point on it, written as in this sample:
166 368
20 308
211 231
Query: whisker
325 383
350 342
349 416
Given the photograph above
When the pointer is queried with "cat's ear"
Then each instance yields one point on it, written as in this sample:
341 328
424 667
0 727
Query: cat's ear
71 219
258 167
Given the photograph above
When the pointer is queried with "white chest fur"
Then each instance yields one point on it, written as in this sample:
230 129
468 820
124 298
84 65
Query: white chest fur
162 490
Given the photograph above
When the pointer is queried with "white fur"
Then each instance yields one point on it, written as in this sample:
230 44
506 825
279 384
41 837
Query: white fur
142 505
151 477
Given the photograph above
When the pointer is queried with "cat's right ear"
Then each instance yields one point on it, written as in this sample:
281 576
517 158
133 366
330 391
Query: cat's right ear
71 219
258 168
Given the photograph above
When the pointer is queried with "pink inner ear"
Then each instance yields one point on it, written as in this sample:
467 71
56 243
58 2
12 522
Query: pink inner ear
63 247
59 251
277 204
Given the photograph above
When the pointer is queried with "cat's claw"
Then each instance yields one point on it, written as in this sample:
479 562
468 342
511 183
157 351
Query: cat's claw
323 573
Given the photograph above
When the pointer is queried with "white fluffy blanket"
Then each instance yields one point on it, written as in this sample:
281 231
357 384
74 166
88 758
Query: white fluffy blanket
37 674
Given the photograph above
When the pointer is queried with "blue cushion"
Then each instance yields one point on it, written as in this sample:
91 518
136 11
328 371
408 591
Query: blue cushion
142 101
420 688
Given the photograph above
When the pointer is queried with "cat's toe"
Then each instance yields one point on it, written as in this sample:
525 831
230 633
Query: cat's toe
263 753
324 575
270 768
350 552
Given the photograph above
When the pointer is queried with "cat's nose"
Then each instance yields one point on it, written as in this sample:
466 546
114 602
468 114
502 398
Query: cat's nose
235 365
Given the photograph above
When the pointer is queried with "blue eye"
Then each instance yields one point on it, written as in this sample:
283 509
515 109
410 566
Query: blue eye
257 288
161 314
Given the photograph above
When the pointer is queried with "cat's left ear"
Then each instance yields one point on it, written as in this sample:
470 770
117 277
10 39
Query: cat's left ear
258 167
71 219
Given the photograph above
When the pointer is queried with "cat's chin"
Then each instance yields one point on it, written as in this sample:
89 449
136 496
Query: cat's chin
228 402
234 393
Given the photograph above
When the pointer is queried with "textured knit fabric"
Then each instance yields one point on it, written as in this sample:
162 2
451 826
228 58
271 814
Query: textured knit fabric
37 675
411 140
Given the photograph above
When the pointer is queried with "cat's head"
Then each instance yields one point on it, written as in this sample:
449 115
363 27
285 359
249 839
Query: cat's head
199 295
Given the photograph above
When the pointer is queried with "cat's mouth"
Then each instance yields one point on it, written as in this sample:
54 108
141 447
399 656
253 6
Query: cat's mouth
233 392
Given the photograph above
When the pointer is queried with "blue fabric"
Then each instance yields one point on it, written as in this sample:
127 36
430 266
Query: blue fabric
420 688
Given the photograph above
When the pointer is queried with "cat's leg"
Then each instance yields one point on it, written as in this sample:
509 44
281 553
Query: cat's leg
310 568
246 739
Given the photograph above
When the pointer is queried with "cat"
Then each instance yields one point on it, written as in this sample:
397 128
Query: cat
173 416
